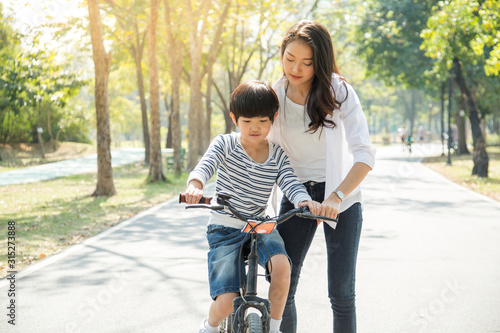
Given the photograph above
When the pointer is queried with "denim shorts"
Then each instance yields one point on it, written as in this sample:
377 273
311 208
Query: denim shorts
223 256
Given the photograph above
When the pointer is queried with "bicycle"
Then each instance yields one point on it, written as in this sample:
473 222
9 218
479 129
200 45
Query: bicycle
241 320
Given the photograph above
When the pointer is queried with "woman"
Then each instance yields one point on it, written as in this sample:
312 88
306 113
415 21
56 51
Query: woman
322 128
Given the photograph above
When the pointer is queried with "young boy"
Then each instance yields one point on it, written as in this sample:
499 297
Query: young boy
247 167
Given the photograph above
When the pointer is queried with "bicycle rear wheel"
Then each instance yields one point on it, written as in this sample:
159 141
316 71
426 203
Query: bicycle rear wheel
253 323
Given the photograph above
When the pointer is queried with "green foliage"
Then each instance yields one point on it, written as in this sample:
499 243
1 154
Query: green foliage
31 79
467 30
389 37
490 19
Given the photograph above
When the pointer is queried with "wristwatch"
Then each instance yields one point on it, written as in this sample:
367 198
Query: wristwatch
340 194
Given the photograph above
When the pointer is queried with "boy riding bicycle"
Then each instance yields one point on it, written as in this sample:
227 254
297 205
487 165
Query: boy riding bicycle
247 167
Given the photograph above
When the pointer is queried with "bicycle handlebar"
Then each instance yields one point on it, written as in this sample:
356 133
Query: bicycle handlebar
222 204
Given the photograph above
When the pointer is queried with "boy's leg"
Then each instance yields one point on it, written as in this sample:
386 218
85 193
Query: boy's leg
272 255
280 283
223 256
221 308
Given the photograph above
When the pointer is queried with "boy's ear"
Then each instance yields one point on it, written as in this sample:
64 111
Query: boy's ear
233 118
275 116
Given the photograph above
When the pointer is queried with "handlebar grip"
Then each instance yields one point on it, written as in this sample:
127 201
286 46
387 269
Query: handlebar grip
203 200
307 214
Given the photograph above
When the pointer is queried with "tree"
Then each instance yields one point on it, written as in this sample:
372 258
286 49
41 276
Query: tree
198 19
480 156
390 43
459 36
244 42
33 82
155 165
105 185
128 18
51 85
173 50
487 43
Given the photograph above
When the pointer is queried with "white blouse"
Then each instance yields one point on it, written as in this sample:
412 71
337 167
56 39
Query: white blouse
346 144
297 142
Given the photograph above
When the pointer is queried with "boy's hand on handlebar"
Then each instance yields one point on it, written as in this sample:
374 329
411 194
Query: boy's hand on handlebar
314 206
194 192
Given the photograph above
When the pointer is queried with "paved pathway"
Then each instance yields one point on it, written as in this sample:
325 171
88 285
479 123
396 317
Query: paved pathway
428 262
70 167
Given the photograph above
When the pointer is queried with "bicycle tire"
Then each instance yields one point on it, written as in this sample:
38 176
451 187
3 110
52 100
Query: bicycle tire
253 323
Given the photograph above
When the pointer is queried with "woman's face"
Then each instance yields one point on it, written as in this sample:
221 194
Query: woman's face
298 64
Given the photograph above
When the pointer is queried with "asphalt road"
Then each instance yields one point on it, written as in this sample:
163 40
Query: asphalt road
428 262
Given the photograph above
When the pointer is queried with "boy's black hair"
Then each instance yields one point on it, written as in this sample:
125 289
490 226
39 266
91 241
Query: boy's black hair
254 99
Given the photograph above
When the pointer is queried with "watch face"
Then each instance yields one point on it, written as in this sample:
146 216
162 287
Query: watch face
340 194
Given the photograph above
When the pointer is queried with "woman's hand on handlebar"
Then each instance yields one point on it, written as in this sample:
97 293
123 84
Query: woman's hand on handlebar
330 207
194 192
314 206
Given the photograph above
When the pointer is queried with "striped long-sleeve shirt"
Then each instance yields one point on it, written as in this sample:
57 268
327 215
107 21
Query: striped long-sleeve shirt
249 183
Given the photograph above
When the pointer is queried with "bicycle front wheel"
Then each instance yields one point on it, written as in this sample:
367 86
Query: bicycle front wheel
253 323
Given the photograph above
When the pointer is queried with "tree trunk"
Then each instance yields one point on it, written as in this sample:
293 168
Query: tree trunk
413 111
176 131
195 116
429 133
155 165
39 133
53 142
168 143
479 156
137 53
441 115
208 105
196 119
175 61
462 139
225 110
105 185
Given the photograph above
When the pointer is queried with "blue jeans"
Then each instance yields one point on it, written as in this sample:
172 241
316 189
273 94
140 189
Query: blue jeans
224 256
342 248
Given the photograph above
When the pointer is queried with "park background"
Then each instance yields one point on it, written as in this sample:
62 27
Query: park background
79 77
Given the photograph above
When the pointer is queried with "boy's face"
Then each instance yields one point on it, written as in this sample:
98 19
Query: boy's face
255 129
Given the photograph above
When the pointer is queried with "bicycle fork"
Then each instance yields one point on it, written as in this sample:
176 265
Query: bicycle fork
251 300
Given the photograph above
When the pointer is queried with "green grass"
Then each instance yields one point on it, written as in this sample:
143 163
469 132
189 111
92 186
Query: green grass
461 169
55 214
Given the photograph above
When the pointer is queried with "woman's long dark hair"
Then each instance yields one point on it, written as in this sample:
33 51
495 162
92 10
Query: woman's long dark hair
321 100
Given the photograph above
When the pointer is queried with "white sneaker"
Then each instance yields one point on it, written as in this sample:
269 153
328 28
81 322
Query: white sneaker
203 326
